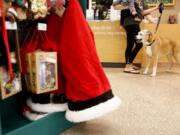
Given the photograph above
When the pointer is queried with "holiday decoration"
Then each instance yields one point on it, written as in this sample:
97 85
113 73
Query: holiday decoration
61 66
43 72
39 105
39 8
88 90
9 87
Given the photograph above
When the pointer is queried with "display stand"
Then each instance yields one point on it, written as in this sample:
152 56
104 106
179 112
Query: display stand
83 5
13 123
0 124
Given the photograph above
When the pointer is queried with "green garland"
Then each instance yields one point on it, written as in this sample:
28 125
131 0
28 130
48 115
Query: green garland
7 1
18 2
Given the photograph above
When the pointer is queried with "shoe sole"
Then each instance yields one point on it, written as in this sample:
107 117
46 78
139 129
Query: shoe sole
131 72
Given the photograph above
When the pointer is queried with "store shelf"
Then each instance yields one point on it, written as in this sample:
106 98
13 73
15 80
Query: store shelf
53 124
13 123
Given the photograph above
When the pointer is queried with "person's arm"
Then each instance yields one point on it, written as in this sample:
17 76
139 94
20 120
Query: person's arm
151 19
132 6
118 6
150 10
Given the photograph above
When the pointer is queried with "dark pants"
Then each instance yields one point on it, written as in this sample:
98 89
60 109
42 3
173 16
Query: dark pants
132 51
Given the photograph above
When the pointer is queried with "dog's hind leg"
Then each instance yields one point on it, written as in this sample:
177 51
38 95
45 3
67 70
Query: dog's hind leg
176 52
155 65
148 58
170 59
177 57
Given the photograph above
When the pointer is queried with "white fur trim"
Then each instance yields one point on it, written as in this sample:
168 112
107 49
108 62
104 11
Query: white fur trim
93 112
11 10
33 116
46 108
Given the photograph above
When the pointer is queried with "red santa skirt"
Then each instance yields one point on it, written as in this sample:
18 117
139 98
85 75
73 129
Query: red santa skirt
88 90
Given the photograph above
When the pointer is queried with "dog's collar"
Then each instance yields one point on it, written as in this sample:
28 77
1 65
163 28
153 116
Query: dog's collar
150 44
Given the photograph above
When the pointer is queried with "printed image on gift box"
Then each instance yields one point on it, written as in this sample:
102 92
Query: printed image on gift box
47 75
43 72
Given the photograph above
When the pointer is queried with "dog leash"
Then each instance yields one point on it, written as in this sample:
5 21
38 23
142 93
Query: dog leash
161 8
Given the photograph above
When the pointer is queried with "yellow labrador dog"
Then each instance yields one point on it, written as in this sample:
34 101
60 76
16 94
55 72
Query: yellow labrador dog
154 45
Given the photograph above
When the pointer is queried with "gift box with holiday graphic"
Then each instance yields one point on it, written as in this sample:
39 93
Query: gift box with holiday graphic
28 74
9 87
43 72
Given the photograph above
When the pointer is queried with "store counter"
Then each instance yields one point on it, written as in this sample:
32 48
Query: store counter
110 40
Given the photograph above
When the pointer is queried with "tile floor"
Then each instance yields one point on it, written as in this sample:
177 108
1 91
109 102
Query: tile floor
150 105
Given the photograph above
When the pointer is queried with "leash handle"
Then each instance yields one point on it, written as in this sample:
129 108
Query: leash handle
161 7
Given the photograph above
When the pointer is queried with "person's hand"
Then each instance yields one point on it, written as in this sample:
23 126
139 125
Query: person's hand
161 7
134 13
157 6
120 7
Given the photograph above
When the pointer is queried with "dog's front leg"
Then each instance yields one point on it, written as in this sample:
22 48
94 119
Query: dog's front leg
148 58
155 65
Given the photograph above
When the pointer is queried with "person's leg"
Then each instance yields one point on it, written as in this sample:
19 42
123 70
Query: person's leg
130 43
135 52
138 46
128 52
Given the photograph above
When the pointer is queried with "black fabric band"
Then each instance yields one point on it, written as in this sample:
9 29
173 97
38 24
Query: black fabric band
49 98
150 44
90 103
37 113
